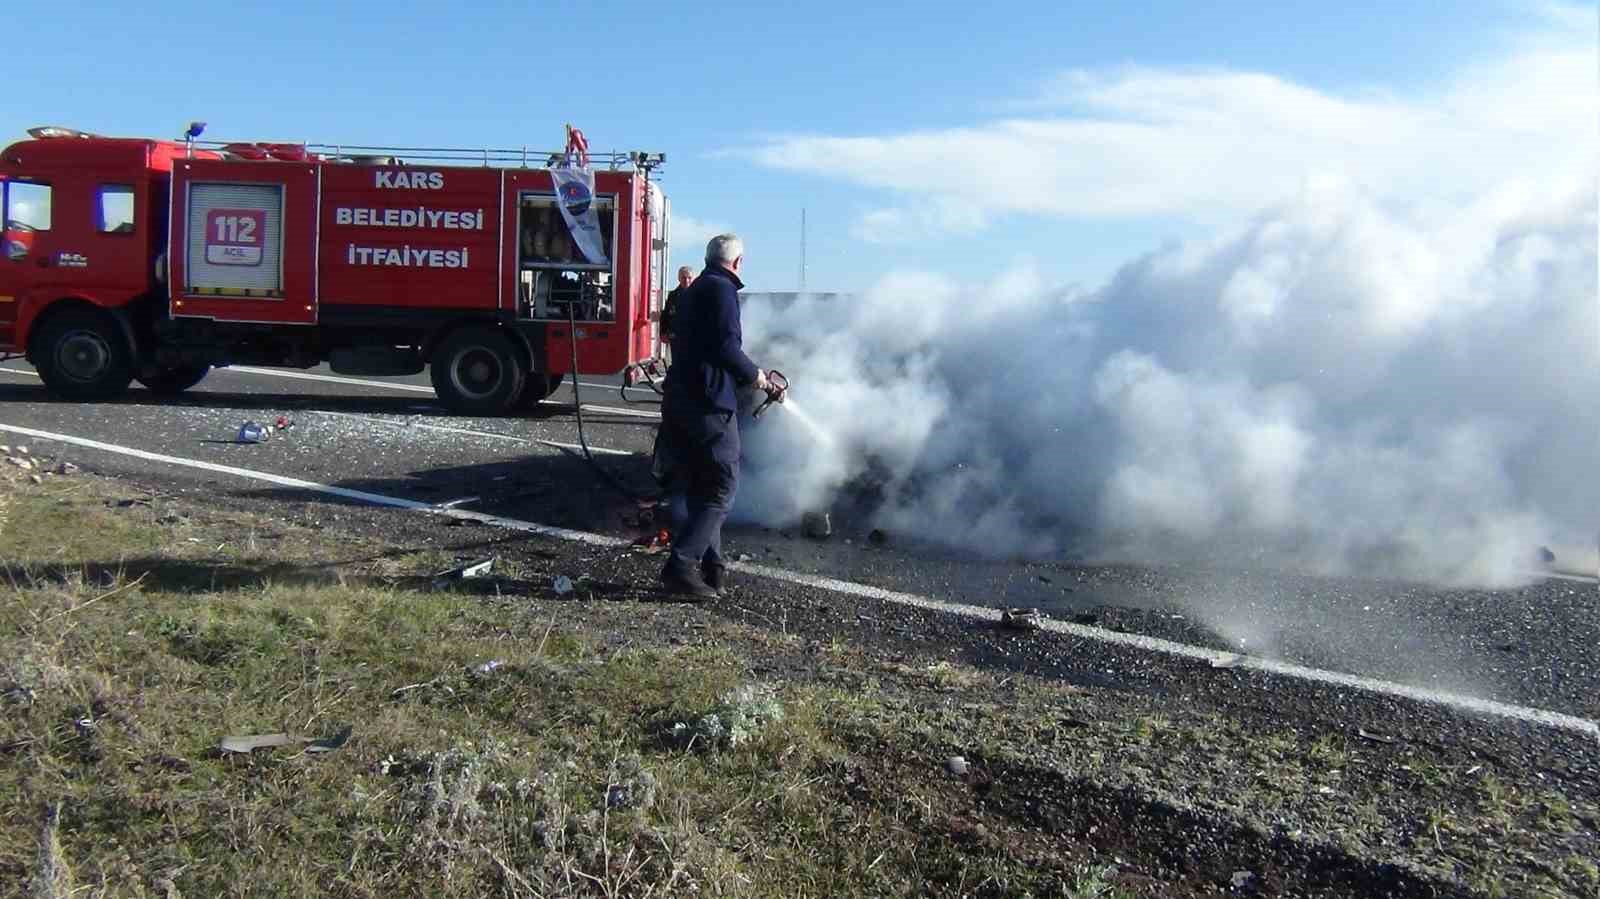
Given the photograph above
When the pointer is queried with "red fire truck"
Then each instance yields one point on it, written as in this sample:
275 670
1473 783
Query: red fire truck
155 260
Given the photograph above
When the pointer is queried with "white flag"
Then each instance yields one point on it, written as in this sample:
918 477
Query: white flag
575 195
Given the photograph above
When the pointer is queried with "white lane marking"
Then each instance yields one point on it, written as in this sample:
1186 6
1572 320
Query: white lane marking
376 499
614 387
330 379
610 410
1564 576
1136 641
411 388
18 371
472 432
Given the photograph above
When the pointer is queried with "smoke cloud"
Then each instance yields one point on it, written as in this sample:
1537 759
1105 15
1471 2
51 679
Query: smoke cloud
1344 384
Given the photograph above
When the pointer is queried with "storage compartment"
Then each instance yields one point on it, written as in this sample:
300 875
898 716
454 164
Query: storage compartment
552 274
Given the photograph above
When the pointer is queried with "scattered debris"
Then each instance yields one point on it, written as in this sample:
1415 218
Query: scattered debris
654 543
35 479
128 503
252 742
1374 737
283 423
1022 619
476 569
1242 879
563 585
21 463
957 766
817 525
250 432
1227 660
1474 770
22 451
743 557
66 468
490 666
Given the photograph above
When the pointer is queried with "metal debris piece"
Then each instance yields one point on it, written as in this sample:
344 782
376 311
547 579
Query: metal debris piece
1374 737
250 743
563 585
22 451
1227 660
250 432
476 569
1022 619
256 741
35 479
957 765
1242 879
817 525
23 464
66 468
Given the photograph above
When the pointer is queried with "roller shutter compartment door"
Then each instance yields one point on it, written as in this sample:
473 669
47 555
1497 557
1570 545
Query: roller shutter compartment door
235 240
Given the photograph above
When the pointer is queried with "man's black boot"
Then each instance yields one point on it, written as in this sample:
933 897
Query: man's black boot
688 584
715 575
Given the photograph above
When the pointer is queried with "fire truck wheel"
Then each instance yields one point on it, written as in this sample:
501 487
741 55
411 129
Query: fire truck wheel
476 371
82 355
537 388
173 381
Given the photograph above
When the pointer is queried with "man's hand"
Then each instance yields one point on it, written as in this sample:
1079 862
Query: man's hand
761 381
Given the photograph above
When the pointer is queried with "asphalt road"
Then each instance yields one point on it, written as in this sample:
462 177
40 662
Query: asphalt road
1537 646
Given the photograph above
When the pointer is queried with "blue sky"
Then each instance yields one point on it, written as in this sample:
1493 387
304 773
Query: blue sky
865 114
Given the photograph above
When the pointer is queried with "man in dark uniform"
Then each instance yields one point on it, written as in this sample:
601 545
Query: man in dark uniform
669 309
699 415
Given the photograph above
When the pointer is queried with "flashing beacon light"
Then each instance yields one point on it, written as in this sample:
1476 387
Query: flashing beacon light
195 130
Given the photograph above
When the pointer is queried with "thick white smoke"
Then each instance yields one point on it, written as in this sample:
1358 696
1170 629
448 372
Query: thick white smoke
1343 385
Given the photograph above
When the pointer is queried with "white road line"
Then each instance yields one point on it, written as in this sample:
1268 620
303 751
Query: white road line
472 432
376 499
412 388
331 379
18 371
609 410
614 387
1136 641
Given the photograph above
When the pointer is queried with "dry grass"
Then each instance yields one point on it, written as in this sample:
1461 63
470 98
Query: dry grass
502 749
495 751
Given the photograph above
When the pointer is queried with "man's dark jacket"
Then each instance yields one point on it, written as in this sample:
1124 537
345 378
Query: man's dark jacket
669 309
708 360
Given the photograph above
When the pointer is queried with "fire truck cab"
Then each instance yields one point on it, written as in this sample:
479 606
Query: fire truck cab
156 260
